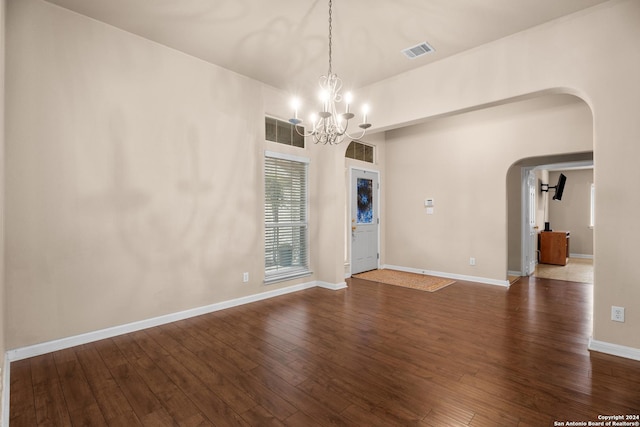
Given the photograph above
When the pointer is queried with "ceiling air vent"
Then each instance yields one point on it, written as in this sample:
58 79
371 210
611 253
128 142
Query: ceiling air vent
418 50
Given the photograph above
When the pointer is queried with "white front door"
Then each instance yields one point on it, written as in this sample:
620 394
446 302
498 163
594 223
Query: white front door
364 221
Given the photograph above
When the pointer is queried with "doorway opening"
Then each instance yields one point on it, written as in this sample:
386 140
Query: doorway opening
364 220
540 213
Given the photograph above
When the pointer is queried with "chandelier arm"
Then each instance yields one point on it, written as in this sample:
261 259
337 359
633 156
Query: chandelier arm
362 132
302 134
350 136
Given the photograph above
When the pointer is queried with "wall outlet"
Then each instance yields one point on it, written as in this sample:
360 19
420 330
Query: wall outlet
617 313
245 277
472 261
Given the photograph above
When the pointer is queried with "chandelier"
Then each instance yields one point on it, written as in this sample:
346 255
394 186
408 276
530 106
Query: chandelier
329 126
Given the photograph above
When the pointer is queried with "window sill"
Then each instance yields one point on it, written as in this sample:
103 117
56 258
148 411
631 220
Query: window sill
284 276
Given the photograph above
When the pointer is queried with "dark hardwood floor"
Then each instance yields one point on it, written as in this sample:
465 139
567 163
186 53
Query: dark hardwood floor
370 355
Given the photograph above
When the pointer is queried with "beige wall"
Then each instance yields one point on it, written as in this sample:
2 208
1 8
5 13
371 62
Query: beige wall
133 172
593 54
462 162
572 212
134 179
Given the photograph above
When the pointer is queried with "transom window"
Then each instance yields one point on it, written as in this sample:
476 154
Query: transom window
360 151
283 132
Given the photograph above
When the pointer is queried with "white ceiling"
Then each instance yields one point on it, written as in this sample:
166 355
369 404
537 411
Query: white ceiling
284 43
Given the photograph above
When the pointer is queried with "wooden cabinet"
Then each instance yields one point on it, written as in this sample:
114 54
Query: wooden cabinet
554 247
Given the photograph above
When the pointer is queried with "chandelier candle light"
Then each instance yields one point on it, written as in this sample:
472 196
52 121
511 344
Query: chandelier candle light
329 126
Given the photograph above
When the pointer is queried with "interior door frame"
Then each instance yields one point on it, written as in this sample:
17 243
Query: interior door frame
526 243
350 213
524 232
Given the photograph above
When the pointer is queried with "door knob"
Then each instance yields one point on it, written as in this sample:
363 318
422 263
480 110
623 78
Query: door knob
353 228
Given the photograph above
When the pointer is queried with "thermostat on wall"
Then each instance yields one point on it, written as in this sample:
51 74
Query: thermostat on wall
428 203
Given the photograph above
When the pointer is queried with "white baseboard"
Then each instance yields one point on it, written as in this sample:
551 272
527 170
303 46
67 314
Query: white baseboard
515 273
583 256
332 286
614 349
484 280
63 343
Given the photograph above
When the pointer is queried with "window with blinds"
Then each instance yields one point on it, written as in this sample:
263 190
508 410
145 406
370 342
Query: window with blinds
285 212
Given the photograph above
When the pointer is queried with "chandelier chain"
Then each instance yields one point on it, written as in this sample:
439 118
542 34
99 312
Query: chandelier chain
330 28
329 125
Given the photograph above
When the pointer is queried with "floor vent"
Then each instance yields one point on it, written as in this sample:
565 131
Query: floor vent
418 50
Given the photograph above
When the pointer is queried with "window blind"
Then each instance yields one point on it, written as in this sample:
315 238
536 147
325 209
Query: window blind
285 212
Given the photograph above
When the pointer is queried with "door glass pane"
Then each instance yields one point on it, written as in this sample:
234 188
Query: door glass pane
365 201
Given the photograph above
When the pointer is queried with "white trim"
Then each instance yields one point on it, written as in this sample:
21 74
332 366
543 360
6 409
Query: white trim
592 206
284 156
63 343
614 349
351 214
347 270
577 165
282 276
515 273
351 168
331 286
583 256
484 280
6 384
524 209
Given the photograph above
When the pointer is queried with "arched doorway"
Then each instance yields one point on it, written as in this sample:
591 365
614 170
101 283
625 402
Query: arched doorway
536 204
